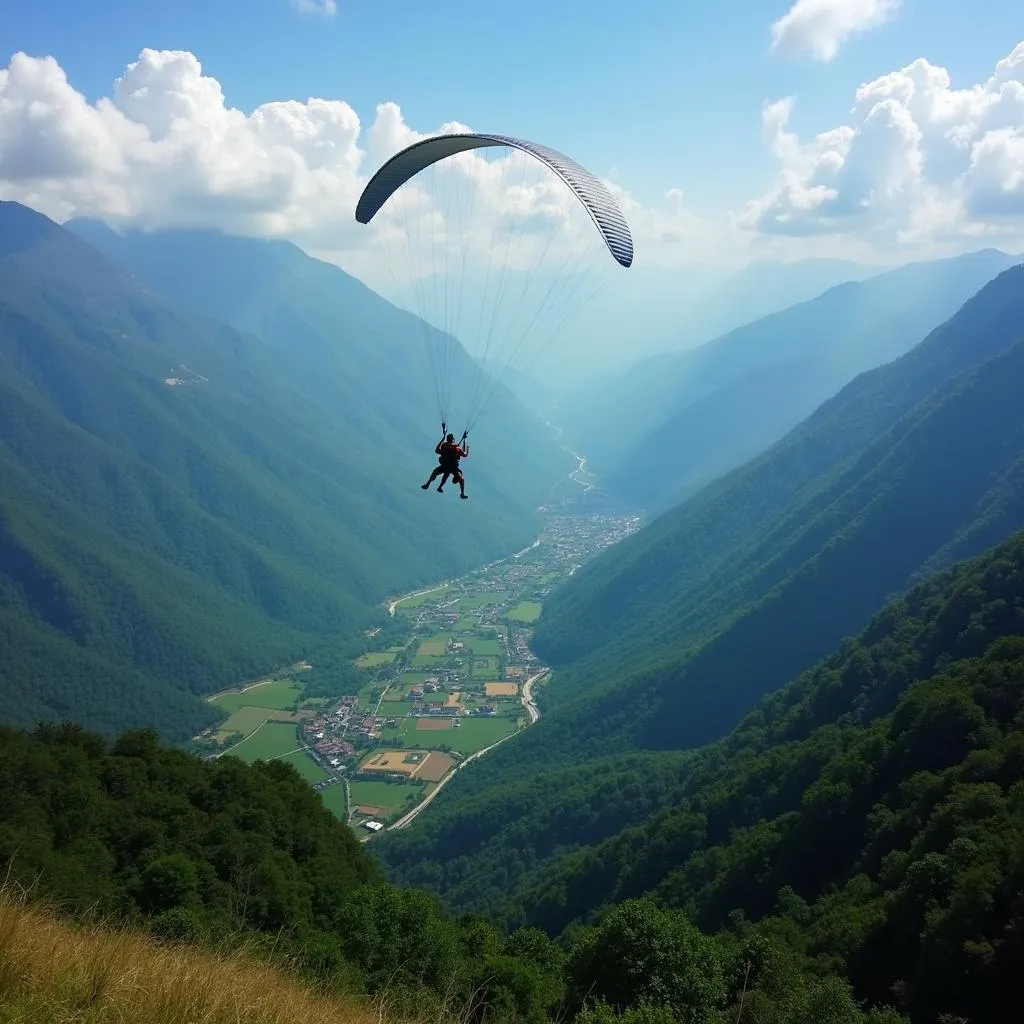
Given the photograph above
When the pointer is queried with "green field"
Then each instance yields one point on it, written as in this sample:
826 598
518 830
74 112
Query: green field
476 733
305 766
413 679
375 660
407 735
334 800
277 694
485 667
244 720
480 645
389 795
423 662
479 600
432 649
268 741
395 709
366 695
525 611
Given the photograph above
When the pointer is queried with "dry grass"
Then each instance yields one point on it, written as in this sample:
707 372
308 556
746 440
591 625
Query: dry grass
435 767
52 972
392 762
501 689
433 724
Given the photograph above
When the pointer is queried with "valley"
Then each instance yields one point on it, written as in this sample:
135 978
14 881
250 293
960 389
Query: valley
450 676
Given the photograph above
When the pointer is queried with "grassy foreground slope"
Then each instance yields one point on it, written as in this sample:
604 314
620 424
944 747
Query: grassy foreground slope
55 972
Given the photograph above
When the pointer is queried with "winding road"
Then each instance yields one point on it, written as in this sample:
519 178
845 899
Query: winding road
531 710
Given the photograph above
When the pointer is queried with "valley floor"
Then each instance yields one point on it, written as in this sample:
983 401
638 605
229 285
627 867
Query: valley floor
451 677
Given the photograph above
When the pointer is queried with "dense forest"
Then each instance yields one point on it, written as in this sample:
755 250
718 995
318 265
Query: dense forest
223 853
159 542
868 817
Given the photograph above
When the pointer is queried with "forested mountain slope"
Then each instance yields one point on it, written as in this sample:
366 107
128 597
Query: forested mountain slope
161 540
351 354
675 423
869 816
909 467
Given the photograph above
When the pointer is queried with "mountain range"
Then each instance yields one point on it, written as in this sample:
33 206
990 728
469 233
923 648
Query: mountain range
778 770
188 504
676 422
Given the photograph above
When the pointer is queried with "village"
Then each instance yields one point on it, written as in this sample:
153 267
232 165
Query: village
447 679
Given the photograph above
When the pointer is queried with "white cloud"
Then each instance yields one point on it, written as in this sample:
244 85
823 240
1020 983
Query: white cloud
327 7
166 149
820 27
918 161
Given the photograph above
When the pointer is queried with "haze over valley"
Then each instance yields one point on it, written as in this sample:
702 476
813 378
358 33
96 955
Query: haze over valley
571 574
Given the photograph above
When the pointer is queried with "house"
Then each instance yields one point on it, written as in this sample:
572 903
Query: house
373 826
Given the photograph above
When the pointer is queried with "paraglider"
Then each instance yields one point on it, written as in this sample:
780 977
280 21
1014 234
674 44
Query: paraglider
431 189
449 452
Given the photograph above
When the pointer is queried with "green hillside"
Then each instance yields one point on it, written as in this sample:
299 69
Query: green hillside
159 542
359 360
868 816
911 466
677 421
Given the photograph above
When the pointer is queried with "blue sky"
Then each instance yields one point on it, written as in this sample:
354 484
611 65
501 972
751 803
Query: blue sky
664 93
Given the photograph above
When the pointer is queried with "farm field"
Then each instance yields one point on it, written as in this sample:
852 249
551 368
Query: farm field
390 796
269 741
334 800
275 694
305 766
483 646
476 733
480 600
525 611
432 649
414 678
245 720
487 666
375 660
497 689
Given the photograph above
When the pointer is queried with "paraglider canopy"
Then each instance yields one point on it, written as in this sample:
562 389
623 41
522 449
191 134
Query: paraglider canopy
596 199
544 276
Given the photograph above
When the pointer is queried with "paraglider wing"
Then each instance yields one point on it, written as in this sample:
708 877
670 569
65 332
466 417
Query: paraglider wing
597 200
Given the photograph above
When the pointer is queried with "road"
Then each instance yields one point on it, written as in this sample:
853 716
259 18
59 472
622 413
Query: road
528 702
416 593
531 710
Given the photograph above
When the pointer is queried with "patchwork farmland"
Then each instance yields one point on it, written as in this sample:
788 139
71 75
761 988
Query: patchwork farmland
446 675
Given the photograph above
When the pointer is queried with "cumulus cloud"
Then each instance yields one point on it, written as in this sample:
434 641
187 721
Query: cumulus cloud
167 149
917 160
328 7
820 27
